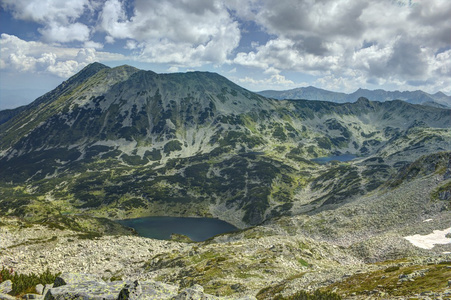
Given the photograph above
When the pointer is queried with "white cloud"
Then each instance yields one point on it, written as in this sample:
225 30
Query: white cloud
113 20
364 42
109 39
92 44
37 57
44 11
346 43
54 32
58 17
175 32
274 81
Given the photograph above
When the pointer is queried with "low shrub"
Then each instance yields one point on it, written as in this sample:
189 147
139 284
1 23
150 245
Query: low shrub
24 284
317 295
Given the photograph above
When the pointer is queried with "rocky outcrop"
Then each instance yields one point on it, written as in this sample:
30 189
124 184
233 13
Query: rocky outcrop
96 290
87 286
6 297
147 290
6 287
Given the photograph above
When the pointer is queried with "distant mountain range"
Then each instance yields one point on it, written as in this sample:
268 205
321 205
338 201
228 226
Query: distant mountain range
122 142
312 93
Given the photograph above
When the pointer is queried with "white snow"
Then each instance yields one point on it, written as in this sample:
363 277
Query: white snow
428 241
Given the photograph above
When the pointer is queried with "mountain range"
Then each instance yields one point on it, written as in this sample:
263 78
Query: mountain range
438 99
118 143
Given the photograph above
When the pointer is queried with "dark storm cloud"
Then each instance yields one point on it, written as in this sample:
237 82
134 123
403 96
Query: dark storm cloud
313 45
407 60
320 18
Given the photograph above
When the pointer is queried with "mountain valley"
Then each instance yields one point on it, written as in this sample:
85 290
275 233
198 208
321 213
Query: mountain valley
118 143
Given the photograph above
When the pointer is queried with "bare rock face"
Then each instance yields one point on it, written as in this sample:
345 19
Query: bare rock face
6 297
194 292
74 278
147 290
86 290
6 287
88 286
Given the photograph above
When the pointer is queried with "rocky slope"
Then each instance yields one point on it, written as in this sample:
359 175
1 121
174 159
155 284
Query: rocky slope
113 143
123 143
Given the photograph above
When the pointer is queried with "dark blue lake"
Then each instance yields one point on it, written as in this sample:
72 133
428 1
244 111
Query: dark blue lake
344 157
197 229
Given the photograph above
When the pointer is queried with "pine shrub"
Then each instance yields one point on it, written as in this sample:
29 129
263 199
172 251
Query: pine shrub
23 284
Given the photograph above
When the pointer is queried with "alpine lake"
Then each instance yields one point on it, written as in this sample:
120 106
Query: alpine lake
342 158
197 229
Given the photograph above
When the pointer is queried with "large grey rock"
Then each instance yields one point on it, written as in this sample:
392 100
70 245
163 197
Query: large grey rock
73 278
93 290
196 292
99 290
39 289
147 290
6 297
6 287
32 297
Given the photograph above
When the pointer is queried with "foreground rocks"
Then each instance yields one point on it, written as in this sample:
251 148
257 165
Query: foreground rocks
88 286
260 262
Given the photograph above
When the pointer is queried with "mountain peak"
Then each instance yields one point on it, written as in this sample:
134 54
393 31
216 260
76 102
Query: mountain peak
94 68
363 100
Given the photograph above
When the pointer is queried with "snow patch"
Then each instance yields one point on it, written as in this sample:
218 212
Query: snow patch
430 240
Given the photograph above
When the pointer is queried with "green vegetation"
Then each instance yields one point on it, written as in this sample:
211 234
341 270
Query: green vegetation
443 192
425 278
426 165
317 295
23 284
172 146
274 292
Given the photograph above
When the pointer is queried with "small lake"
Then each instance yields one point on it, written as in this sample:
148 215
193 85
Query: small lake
344 157
197 229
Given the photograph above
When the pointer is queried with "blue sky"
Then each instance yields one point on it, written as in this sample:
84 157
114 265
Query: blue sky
339 45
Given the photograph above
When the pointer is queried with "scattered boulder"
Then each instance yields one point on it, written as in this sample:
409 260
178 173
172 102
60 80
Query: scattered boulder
32 297
6 286
74 278
85 286
40 289
72 286
6 297
147 290
196 292
95 290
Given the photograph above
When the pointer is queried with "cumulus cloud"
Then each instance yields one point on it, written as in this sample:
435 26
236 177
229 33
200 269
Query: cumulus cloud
43 11
275 81
179 32
58 18
23 56
403 42
72 32
359 41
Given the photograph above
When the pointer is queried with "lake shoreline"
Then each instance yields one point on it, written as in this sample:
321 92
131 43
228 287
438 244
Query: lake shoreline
162 227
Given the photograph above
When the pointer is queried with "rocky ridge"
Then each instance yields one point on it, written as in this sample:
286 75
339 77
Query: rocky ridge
122 143
312 93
